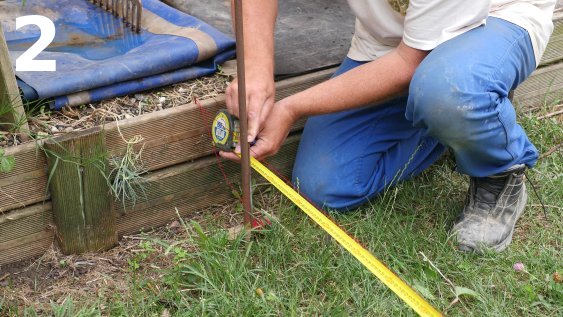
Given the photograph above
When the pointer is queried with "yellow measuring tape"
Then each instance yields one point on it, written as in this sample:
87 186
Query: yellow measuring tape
395 283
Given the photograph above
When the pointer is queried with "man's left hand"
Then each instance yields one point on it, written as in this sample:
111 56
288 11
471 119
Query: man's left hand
274 132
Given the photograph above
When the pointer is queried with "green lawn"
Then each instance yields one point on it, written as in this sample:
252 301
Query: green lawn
297 270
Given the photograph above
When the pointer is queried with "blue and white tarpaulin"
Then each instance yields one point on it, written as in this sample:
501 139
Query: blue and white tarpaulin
98 57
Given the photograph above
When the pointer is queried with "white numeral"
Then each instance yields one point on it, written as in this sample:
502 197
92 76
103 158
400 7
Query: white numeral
26 62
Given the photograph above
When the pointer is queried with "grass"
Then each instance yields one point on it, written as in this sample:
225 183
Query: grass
295 269
125 177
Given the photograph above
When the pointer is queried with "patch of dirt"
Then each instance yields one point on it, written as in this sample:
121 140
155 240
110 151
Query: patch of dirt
87 278
54 277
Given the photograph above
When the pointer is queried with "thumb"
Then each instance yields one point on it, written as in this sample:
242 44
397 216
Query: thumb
259 150
253 124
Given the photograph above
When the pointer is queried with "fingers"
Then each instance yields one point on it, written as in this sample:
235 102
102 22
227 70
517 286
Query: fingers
231 98
254 109
229 155
262 149
266 112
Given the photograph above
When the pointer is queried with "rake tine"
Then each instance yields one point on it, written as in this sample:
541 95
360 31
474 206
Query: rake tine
123 6
137 18
129 12
124 12
108 5
116 7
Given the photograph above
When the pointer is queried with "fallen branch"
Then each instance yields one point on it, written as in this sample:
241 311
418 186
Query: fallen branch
551 151
547 206
456 299
549 115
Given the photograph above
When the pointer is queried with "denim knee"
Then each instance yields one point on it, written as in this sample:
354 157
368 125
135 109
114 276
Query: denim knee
443 99
317 187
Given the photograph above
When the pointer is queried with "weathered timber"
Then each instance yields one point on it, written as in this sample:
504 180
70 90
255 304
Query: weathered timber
171 137
12 113
81 197
181 134
25 233
25 248
192 187
22 222
554 51
26 183
543 87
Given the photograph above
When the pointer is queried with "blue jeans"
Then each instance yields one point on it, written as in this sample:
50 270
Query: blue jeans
458 98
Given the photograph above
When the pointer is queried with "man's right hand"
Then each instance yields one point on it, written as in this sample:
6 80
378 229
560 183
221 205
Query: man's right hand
260 98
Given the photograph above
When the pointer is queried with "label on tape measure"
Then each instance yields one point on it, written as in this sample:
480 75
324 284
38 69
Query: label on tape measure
221 128
394 282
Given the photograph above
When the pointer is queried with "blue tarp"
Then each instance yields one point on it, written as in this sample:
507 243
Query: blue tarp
98 57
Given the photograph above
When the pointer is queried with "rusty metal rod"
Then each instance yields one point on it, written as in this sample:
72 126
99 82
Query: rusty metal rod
243 117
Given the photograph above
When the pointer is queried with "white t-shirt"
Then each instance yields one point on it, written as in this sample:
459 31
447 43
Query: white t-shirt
428 23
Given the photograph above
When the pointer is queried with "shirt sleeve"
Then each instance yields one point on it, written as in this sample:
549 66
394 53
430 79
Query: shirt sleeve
429 23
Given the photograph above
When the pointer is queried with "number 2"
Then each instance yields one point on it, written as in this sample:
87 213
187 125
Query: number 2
26 61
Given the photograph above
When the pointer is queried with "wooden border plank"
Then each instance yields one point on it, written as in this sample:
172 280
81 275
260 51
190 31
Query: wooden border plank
554 50
191 187
25 233
27 248
177 135
26 183
543 87
172 136
23 222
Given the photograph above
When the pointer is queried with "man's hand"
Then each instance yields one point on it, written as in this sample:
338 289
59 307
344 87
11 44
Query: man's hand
274 131
260 97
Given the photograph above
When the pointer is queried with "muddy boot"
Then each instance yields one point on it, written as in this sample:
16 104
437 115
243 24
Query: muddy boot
493 206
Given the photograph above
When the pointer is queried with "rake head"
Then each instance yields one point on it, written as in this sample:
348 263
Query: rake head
131 11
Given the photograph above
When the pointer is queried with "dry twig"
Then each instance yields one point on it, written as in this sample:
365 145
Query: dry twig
550 151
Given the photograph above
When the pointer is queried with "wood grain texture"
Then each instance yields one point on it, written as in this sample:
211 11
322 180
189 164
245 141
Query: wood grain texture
191 187
25 233
12 113
554 51
28 247
26 183
171 137
100 226
81 198
543 87
181 134
27 221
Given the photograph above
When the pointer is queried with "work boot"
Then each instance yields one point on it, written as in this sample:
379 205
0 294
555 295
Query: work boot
493 206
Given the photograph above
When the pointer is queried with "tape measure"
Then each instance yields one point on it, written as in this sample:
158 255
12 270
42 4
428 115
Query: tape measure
384 274
225 131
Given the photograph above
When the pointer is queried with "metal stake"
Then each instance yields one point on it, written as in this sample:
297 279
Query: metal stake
245 149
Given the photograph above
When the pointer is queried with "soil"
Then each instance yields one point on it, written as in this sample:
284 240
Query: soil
55 277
